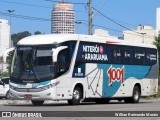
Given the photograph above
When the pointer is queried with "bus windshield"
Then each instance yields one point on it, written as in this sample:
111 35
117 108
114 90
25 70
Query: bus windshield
32 64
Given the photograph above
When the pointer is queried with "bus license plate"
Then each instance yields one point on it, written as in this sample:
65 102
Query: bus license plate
28 96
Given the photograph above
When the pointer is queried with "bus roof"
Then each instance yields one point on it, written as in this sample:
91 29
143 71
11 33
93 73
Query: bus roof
47 39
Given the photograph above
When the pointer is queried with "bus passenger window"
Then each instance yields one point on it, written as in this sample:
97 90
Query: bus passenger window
126 55
139 56
115 54
151 56
62 62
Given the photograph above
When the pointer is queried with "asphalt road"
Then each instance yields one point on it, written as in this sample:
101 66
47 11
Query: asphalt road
61 107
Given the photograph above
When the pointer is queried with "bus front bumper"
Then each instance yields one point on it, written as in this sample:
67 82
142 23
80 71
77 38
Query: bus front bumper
49 94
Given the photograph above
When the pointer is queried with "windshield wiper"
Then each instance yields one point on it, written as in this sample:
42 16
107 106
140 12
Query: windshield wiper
36 75
32 69
19 76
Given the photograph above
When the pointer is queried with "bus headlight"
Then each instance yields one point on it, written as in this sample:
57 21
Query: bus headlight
49 86
12 87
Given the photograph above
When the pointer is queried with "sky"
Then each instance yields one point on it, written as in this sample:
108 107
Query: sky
128 13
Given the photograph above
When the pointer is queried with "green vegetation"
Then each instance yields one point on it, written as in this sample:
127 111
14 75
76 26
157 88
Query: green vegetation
18 36
4 74
157 44
9 61
158 95
159 78
15 38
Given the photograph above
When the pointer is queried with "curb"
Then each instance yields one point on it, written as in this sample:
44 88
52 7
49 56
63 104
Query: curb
15 102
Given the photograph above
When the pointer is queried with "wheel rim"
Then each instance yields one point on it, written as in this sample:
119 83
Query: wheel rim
76 94
136 95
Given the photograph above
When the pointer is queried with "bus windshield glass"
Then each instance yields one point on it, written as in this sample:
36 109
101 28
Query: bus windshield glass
32 64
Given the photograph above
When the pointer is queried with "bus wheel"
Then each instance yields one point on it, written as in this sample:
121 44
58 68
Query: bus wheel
7 95
135 96
77 96
37 102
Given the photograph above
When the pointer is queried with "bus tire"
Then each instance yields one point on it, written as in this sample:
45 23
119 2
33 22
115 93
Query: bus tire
76 97
7 95
37 102
135 96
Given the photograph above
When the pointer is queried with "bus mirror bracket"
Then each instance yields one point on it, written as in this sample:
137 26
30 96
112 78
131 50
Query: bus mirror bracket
56 51
6 54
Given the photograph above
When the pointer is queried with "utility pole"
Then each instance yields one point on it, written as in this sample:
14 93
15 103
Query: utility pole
10 14
90 17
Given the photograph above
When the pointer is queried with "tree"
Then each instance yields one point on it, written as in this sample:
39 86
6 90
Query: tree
15 38
37 32
157 44
19 36
3 74
9 61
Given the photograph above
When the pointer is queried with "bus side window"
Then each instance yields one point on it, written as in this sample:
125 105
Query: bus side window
151 56
62 62
126 55
116 54
139 56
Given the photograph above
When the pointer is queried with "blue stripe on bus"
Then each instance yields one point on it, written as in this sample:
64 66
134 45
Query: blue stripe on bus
129 71
44 83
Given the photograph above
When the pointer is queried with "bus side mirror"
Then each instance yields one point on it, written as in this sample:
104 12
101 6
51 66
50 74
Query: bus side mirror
5 54
56 51
2 83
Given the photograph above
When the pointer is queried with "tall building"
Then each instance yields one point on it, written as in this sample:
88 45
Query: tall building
4 36
158 21
4 42
63 18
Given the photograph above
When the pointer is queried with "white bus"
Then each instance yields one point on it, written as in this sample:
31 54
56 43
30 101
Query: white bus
77 67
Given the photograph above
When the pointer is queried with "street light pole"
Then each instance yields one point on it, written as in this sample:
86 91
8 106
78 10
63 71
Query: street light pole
10 14
77 26
90 17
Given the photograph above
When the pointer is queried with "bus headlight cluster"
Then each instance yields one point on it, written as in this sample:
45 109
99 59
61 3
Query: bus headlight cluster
12 87
49 86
